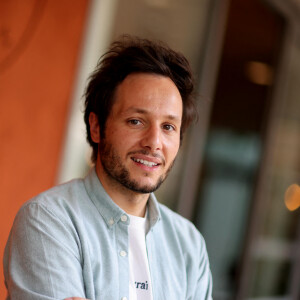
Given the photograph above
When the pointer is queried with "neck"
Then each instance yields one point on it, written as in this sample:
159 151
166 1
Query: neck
131 202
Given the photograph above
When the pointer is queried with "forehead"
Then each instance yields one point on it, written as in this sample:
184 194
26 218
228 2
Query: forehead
150 92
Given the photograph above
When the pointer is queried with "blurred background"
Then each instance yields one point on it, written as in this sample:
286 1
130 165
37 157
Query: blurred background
238 172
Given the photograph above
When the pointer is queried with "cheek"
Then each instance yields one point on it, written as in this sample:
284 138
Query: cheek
172 149
123 140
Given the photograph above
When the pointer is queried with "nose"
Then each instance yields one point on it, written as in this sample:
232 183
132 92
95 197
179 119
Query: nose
152 138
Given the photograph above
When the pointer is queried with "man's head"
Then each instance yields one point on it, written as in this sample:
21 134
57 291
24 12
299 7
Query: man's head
138 104
135 55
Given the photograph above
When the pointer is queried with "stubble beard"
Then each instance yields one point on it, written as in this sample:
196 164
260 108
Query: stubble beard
114 168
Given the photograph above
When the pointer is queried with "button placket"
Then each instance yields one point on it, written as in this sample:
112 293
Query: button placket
121 231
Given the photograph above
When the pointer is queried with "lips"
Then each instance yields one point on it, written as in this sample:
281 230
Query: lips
146 159
145 162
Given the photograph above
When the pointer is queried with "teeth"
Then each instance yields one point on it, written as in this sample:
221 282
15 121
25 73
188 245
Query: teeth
145 162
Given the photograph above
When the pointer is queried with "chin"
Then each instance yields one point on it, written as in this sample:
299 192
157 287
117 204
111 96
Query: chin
144 187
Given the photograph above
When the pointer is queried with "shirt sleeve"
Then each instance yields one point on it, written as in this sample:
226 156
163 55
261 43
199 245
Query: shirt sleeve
42 258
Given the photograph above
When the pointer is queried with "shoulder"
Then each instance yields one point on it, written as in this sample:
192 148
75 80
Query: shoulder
171 215
51 215
175 219
63 191
59 196
58 204
184 229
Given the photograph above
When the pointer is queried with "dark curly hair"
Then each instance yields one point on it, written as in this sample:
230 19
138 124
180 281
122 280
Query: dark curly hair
136 55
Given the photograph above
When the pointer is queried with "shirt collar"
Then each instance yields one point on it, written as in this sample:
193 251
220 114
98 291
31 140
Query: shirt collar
108 209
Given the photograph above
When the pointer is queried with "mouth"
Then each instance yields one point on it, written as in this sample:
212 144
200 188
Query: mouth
145 162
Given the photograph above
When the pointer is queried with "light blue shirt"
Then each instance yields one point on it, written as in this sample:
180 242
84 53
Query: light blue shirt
72 240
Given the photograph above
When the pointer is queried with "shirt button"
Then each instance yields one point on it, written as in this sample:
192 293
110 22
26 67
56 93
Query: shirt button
123 253
124 218
124 298
111 222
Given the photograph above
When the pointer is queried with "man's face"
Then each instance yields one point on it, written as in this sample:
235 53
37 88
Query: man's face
142 134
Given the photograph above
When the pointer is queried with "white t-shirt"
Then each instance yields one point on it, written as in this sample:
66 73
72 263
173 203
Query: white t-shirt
139 280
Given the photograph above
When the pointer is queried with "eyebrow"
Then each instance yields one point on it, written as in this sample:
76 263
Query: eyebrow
144 111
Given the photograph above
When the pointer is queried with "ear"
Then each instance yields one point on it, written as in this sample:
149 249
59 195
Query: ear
94 127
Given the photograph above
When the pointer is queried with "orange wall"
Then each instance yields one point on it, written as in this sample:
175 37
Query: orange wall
40 44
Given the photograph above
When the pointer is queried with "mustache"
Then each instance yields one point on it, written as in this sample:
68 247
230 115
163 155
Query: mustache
148 153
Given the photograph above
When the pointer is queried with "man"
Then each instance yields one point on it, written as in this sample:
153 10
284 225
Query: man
106 236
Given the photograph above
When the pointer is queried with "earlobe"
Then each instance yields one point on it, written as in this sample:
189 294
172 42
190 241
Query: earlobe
94 127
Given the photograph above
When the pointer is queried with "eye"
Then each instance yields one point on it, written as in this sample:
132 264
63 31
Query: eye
134 122
168 127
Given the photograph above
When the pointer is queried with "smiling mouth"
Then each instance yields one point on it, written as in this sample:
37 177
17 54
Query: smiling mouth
144 162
